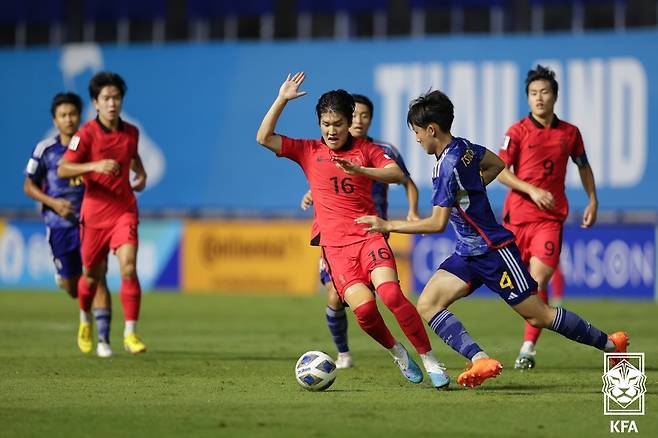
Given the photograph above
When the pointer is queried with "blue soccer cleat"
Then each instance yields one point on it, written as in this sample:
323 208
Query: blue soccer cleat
440 378
409 369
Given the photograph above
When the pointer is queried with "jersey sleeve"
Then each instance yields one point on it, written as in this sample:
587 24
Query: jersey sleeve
36 167
78 149
510 147
377 157
392 152
445 186
578 154
293 148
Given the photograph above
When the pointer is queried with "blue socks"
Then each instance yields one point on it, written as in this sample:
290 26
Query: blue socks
453 333
337 323
572 326
103 319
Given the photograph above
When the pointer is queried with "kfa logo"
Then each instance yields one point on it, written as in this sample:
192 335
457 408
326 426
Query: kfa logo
624 386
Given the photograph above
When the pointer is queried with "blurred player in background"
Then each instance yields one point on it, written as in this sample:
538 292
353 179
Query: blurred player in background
340 170
61 199
537 148
335 311
485 252
103 151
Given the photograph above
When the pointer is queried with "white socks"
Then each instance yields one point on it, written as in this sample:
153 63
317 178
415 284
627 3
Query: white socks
480 355
130 328
85 317
430 363
528 347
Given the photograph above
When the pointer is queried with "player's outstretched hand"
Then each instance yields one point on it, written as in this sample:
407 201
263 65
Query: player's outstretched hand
347 166
375 223
307 200
108 167
290 88
62 207
543 199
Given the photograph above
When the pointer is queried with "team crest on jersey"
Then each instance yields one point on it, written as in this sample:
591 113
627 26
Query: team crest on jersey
75 141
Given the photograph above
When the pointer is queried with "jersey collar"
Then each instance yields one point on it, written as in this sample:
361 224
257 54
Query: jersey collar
535 122
106 129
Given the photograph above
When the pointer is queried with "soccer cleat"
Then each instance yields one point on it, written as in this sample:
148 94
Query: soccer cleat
439 377
103 349
132 344
409 369
344 360
621 341
479 371
525 361
84 337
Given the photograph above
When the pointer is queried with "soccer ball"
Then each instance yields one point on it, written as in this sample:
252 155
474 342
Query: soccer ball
315 371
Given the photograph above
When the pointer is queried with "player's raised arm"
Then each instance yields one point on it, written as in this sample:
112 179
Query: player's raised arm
433 224
289 90
68 169
391 173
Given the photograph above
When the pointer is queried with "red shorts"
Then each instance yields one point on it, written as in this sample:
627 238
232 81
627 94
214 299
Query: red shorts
539 239
352 264
96 243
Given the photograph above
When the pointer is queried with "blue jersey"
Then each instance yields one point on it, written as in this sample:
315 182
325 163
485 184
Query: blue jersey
458 184
379 189
42 170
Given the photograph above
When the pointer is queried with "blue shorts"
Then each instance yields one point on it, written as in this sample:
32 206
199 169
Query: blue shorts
501 270
65 245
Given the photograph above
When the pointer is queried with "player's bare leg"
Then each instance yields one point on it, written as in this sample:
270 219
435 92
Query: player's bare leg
70 286
443 289
385 281
337 322
130 295
362 301
542 274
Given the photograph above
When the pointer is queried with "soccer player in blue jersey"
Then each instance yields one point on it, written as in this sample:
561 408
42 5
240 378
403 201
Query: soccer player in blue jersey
485 252
61 199
335 311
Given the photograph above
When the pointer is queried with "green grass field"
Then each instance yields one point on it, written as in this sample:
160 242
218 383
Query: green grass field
223 366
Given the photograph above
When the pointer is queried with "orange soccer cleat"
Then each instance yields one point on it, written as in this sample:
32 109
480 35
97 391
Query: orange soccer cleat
479 371
620 339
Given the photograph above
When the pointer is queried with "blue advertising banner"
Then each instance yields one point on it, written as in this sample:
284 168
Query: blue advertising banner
26 260
199 106
606 261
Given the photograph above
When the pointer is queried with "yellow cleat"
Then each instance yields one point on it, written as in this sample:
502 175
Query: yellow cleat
84 337
132 344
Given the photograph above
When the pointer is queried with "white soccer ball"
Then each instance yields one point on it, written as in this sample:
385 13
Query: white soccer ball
315 371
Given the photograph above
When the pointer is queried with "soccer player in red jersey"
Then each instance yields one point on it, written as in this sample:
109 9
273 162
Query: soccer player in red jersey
538 148
340 170
104 151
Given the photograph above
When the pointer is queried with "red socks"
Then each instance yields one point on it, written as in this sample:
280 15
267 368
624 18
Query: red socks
371 322
532 333
130 295
406 314
85 294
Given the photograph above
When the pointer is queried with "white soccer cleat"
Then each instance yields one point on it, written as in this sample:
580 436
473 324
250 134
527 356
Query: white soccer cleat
344 360
103 349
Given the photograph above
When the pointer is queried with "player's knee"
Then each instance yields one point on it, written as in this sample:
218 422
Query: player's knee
539 321
129 270
333 300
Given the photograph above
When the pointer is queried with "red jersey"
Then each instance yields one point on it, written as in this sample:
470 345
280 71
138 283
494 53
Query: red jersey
539 156
107 197
338 198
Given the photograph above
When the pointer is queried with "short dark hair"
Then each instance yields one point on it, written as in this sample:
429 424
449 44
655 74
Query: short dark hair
360 98
541 73
432 107
338 101
104 79
62 98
